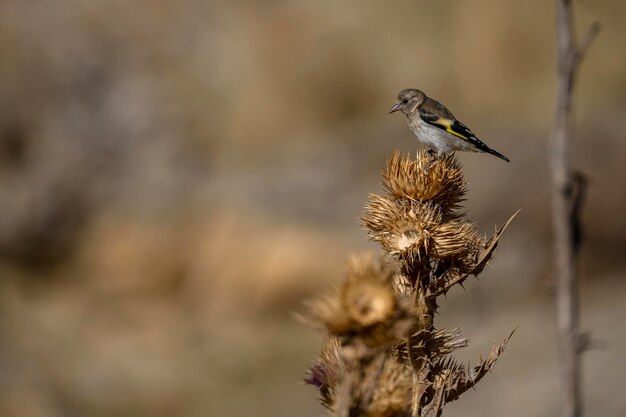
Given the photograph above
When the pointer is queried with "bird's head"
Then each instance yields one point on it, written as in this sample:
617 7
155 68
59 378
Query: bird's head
408 101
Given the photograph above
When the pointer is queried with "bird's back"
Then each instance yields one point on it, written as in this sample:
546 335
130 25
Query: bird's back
434 107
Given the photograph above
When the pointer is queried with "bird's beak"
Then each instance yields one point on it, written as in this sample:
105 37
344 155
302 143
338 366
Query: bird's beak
395 108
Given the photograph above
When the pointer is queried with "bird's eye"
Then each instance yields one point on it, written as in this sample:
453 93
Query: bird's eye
405 101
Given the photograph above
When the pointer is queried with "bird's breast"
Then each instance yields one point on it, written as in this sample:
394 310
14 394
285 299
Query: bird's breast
429 135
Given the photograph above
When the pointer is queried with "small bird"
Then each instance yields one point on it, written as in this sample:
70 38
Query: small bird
436 127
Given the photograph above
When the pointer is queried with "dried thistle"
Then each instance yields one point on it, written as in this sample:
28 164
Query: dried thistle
442 183
383 356
366 312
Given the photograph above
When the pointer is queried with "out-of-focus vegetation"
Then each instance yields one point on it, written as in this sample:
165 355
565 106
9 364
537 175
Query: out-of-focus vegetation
176 176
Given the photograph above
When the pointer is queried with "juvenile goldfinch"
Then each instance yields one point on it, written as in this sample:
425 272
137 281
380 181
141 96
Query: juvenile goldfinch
436 127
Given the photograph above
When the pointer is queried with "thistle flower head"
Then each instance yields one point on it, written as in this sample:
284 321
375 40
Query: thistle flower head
409 229
366 308
425 179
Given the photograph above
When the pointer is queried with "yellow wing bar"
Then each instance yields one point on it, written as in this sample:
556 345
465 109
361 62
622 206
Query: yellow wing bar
450 130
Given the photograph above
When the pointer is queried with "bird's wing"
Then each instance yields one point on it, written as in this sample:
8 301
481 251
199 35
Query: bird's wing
436 114
449 125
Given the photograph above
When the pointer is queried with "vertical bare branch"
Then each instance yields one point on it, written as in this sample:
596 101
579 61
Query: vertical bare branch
566 205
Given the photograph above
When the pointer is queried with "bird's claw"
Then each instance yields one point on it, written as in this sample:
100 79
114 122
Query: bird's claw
432 158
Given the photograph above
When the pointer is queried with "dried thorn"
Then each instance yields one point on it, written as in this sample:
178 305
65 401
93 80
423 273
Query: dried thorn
597 344
584 342
588 39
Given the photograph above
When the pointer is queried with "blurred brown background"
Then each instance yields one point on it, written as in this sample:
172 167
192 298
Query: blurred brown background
178 176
